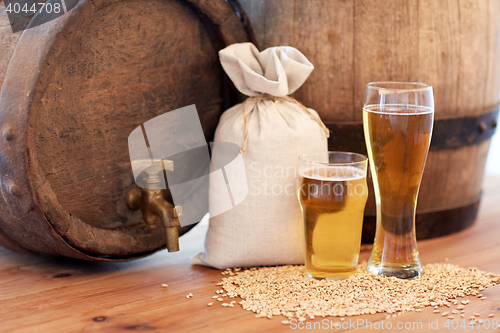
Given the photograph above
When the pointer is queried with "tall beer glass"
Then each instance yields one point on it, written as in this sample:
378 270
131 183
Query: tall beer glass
397 120
332 195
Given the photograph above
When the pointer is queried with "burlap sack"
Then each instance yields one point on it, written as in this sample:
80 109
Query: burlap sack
266 227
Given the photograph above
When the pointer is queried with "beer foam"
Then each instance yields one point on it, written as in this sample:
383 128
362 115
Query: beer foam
397 109
333 173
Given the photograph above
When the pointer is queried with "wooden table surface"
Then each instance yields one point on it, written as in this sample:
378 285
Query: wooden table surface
62 295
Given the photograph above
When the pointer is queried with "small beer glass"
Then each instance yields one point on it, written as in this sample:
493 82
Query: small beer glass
332 194
397 119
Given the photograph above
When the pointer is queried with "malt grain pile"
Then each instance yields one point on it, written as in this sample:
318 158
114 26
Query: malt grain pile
284 290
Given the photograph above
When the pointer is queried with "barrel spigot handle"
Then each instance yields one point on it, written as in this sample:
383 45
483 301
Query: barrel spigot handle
155 209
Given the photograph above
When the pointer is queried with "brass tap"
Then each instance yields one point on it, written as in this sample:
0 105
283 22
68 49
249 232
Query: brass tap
155 208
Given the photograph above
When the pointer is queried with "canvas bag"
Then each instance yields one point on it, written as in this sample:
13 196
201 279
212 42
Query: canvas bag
266 227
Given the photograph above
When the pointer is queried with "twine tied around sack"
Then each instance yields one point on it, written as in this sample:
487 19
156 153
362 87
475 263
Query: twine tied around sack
274 99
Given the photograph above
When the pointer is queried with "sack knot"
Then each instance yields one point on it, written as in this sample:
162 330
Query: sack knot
263 97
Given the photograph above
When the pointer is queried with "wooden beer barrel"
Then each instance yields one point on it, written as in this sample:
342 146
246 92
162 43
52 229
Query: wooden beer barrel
452 45
73 89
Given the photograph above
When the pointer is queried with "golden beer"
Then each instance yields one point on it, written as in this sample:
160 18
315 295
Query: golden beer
333 200
397 138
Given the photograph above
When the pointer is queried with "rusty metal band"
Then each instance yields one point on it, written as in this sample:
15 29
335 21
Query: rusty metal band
449 133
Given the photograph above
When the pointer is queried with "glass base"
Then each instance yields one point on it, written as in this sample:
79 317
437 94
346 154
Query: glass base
411 271
336 276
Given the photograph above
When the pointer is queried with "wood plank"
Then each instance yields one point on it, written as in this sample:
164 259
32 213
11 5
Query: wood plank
128 295
452 44
492 88
38 295
72 95
478 237
473 62
145 304
114 297
439 52
7 42
323 31
39 274
386 38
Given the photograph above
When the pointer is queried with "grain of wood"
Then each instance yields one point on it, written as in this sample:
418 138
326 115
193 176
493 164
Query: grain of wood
8 41
493 66
474 59
439 52
329 46
89 134
332 48
116 296
84 81
450 44
454 45
386 44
